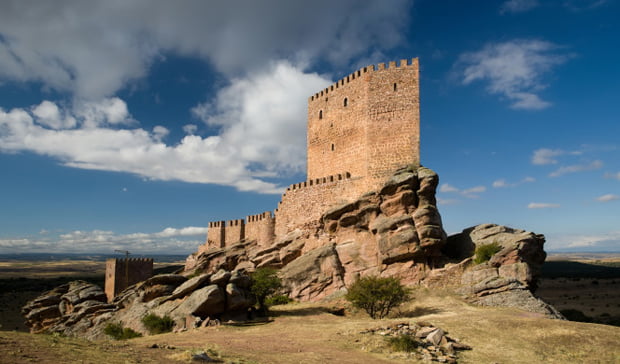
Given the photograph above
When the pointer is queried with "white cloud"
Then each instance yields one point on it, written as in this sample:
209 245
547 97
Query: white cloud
602 242
502 183
577 168
262 117
448 188
545 156
190 129
107 44
447 201
613 175
468 192
168 241
540 205
518 6
513 69
262 134
608 197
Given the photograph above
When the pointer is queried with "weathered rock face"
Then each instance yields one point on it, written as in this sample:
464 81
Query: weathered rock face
80 308
394 231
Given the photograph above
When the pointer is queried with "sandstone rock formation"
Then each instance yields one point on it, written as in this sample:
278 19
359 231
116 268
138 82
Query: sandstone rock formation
81 308
395 231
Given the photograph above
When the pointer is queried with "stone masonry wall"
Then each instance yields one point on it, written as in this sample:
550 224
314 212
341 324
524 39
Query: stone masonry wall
235 231
304 202
366 124
260 228
216 235
122 273
393 134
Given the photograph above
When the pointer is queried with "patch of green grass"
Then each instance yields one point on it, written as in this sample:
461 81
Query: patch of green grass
118 332
403 342
484 252
278 300
157 325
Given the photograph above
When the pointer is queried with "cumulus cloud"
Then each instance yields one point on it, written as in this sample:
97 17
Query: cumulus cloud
597 164
262 117
190 129
261 122
513 69
542 205
608 197
518 6
177 240
103 45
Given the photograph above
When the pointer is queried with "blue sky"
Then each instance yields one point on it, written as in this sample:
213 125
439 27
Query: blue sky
132 124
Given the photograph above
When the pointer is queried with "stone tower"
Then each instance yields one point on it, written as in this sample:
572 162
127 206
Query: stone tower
366 124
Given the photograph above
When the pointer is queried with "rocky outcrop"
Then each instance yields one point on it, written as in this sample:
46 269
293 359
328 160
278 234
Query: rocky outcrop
81 308
509 277
396 230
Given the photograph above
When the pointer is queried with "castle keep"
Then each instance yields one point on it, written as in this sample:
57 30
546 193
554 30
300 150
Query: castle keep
360 130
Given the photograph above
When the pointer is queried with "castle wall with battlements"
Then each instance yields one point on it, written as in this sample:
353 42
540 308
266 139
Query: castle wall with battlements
122 273
360 130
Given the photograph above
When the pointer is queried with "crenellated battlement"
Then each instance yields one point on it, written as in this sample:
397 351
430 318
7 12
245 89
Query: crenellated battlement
316 181
259 217
217 224
358 74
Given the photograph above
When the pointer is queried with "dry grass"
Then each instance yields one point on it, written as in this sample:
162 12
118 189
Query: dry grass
306 333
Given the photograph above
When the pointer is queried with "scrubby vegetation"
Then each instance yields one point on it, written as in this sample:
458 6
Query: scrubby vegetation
377 296
265 282
157 325
278 300
484 252
402 343
118 332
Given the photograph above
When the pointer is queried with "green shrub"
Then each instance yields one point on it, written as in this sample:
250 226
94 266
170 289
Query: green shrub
265 282
157 325
484 252
117 332
278 300
377 296
402 343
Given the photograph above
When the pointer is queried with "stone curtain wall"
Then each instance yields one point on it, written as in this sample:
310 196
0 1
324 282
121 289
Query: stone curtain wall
303 205
122 273
216 235
235 231
260 228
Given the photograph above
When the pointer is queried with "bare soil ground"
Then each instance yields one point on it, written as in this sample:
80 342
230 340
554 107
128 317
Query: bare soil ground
306 333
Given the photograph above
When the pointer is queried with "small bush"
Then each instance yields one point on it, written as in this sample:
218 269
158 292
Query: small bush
484 252
402 343
265 282
278 300
377 296
157 325
118 332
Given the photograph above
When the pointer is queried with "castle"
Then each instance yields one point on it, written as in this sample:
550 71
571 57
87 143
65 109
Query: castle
360 130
